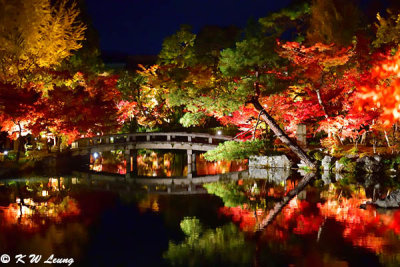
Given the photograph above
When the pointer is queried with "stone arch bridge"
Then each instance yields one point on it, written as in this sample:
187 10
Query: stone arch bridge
130 143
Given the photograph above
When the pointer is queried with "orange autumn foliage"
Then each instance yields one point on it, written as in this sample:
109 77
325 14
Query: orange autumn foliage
381 90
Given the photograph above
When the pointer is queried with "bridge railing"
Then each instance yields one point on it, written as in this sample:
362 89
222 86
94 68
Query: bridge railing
149 137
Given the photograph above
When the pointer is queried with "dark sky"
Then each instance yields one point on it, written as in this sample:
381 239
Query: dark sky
139 26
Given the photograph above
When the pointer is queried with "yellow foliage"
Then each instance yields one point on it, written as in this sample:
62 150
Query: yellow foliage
35 34
387 29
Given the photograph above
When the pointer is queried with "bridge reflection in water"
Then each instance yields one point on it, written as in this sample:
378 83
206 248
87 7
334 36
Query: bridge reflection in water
133 158
175 186
179 185
163 164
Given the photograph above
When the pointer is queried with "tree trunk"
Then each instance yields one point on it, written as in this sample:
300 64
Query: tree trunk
321 104
387 140
255 127
282 135
57 140
280 205
19 149
20 143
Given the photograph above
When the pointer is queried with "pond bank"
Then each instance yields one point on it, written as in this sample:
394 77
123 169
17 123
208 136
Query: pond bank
52 163
345 164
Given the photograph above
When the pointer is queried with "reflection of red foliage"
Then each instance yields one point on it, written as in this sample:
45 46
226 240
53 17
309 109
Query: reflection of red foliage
307 224
32 218
204 167
363 228
297 215
245 218
395 222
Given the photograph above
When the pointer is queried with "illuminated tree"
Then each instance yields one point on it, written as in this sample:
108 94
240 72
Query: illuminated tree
318 70
388 30
187 65
380 90
86 59
36 34
17 110
89 105
245 73
255 70
234 150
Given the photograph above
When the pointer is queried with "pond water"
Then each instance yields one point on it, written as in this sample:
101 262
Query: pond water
152 163
100 222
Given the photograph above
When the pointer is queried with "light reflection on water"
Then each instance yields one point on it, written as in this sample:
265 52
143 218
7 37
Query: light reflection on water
324 224
163 164
35 205
317 213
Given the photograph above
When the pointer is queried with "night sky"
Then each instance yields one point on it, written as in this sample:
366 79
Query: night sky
138 27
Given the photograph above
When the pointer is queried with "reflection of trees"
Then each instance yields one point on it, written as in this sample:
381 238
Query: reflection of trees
209 247
305 215
30 215
255 193
204 167
67 242
36 204
231 193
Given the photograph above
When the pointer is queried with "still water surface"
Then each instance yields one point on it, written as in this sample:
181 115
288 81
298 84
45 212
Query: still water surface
118 223
152 163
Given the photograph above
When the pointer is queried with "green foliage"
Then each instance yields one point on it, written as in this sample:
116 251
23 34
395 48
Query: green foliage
199 78
349 165
178 48
191 226
12 155
226 244
396 160
145 151
211 40
344 160
129 85
306 169
279 22
233 150
35 155
316 154
347 185
232 194
250 63
319 183
143 129
353 151
188 73
392 163
192 119
247 55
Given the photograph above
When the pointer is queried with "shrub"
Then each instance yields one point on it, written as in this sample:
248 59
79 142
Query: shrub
234 150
